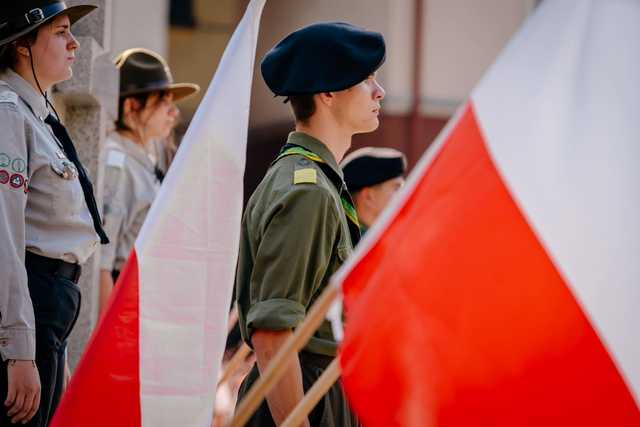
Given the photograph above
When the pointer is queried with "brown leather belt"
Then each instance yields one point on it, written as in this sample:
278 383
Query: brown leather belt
54 267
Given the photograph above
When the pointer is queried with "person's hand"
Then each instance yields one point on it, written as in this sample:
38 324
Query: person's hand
23 398
67 375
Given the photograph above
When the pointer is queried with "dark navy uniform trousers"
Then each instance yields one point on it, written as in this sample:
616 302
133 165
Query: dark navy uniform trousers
56 305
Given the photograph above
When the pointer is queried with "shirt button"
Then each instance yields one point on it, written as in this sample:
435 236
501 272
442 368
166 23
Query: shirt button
4 342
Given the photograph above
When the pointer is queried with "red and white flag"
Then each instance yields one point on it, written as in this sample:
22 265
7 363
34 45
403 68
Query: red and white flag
155 357
502 286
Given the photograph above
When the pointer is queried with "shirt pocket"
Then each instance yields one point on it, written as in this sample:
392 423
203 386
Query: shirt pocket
67 196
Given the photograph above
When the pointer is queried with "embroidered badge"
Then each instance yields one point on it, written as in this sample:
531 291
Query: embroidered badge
18 165
16 180
4 176
5 160
305 176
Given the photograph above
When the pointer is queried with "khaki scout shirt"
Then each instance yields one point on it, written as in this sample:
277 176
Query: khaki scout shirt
294 236
42 208
130 187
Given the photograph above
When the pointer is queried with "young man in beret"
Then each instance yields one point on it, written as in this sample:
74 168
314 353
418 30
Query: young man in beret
300 225
373 175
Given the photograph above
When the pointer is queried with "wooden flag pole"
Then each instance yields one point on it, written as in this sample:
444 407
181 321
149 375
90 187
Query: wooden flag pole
313 396
277 368
236 361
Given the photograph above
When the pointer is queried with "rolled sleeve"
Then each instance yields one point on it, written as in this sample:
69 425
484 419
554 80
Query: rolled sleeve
17 323
275 314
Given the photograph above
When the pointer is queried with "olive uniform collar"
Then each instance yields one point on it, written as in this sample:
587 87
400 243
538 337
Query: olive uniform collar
34 100
316 146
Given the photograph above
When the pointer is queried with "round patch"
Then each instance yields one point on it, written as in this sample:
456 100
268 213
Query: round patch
17 180
18 165
4 160
4 176
304 162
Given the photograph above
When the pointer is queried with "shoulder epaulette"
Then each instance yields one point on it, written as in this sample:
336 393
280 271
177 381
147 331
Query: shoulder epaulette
305 176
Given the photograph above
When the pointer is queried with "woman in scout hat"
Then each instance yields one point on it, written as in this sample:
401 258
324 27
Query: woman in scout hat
146 116
49 221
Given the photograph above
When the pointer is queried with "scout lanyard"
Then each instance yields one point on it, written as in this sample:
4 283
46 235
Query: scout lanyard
345 197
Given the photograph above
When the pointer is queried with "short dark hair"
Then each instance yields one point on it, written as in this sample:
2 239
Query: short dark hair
9 52
303 107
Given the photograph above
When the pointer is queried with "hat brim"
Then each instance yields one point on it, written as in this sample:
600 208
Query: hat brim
74 13
180 91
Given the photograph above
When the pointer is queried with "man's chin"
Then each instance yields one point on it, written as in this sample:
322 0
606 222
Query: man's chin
370 127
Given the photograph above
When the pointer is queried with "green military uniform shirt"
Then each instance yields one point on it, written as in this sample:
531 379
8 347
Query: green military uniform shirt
294 236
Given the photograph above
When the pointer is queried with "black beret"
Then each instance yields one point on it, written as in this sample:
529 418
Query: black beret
323 57
370 166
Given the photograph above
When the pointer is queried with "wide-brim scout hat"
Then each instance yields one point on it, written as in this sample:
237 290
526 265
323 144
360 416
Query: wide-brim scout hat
323 57
19 17
369 166
143 71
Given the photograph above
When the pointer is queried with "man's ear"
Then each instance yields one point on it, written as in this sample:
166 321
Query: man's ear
131 105
326 98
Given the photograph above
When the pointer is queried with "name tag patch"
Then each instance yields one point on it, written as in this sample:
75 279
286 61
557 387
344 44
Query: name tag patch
115 158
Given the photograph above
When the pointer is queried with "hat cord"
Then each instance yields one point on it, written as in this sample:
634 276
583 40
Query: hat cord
43 93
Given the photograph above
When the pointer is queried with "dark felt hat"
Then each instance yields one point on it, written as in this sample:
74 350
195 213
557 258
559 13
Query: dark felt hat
323 57
370 166
143 71
19 17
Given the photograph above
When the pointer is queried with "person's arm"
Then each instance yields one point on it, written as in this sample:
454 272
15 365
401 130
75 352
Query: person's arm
288 392
17 323
106 286
116 199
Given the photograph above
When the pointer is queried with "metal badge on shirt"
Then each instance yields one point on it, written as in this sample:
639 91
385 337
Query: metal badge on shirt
63 167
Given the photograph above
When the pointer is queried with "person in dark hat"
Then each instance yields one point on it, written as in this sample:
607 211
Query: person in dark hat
300 224
373 175
147 115
49 220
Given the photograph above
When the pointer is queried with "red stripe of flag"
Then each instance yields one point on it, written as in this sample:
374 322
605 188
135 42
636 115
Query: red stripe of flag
107 380
465 320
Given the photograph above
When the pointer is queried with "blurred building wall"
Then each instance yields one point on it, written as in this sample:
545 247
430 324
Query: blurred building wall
460 39
140 23
196 49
